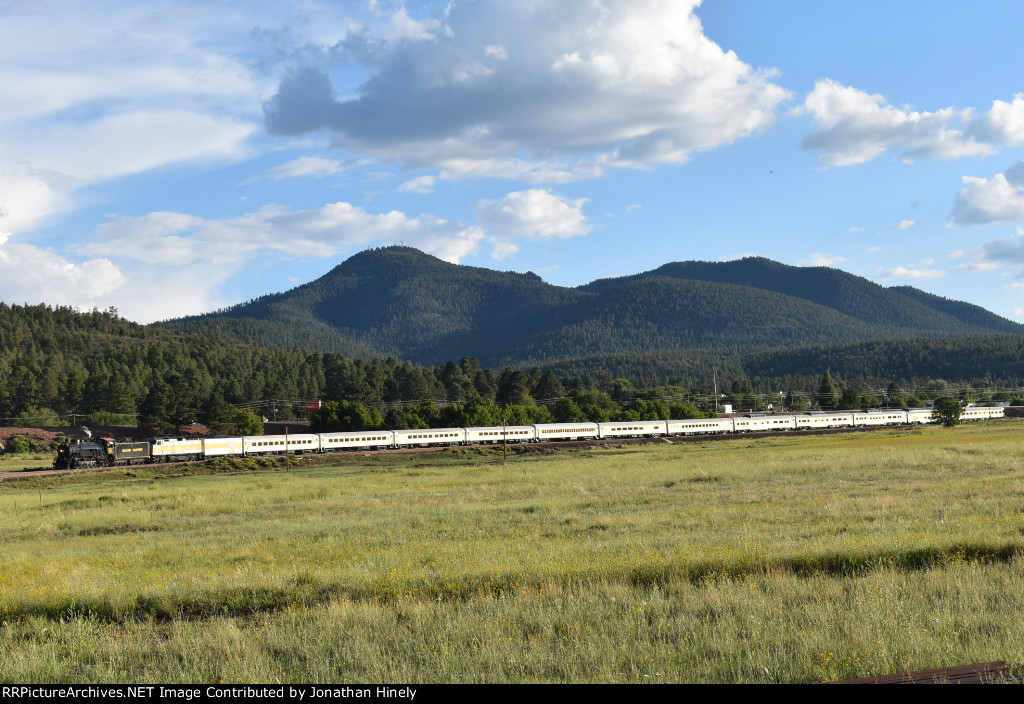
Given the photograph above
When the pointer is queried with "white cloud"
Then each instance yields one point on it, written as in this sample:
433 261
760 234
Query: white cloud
504 248
496 51
535 214
817 259
916 274
28 196
519 169
420 184
195 257
618 83
1015 287
854 228
93 95
995 254
983 201
873 250
905 225
853 127
1003 124
58 55
306 166
32 275
127 143
978 265
178 239
405 28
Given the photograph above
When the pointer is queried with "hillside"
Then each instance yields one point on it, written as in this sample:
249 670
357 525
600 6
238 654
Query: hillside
965 312
408 304
399 301
891 310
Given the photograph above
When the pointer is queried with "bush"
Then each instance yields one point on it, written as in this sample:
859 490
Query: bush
18 445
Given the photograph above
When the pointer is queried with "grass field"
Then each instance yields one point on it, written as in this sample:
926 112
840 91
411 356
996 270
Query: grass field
26 462
759 559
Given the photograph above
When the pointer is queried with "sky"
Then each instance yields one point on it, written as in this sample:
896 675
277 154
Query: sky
173 158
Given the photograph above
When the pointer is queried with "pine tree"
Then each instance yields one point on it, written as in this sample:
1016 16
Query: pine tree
828 392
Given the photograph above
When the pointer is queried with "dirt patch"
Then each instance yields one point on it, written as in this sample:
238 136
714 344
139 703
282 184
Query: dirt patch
37 435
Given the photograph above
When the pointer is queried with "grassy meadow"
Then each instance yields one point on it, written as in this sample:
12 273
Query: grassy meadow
782 559
26 462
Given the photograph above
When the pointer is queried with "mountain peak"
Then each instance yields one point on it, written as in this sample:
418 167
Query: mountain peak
416 306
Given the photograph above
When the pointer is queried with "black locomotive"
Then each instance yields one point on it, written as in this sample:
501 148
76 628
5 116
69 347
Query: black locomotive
103 452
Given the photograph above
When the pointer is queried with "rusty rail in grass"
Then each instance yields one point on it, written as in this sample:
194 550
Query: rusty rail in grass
997 672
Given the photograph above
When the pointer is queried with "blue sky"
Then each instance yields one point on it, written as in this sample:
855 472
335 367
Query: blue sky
171 158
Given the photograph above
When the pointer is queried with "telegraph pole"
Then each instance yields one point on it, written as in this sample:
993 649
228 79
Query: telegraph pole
715 372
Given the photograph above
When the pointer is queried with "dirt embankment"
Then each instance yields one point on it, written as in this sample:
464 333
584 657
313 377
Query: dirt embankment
47 436
41 436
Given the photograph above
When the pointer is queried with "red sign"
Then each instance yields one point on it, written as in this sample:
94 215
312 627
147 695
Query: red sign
313 406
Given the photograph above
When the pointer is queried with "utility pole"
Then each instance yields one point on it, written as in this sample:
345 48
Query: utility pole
715 372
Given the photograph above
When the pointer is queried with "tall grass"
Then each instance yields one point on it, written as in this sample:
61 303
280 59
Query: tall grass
760 559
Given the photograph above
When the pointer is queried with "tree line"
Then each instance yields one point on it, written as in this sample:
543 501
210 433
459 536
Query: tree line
60 366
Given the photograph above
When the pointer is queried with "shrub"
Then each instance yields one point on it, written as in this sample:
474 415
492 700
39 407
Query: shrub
18 445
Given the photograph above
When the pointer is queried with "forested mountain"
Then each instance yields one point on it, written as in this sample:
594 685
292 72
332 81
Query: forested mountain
898 309
965 312
312 335
405 303
401 302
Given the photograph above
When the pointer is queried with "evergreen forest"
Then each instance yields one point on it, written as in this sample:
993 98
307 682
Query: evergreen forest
60 367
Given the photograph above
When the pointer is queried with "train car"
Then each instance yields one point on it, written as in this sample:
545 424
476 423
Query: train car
223 447
501 433
567 431
700 426
176 449
430 436
921 415
128 453
632 429
298 444
812 421
982 413
891 416
758 422
365 440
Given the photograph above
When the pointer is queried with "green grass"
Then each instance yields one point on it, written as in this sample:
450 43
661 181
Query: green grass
758 559
28 461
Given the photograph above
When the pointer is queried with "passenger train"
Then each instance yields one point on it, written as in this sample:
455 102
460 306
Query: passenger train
107 452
